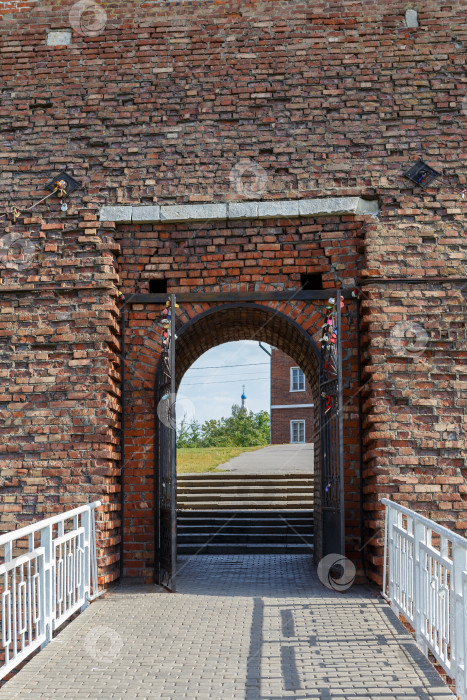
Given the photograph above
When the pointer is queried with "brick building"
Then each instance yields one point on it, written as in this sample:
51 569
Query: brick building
229 148
292 417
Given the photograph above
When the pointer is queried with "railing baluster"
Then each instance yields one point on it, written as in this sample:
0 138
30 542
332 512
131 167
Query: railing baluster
22 609
385 559
93 587
48 583
29 591
419 537
6 609
14 611
392 553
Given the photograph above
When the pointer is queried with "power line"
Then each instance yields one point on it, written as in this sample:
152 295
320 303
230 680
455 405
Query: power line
247 364
240 376
230 381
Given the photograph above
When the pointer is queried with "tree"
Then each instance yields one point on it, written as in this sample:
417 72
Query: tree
189 433
240 429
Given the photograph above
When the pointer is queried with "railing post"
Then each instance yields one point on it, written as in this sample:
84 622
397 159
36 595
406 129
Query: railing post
458 617
392 522
47 584
385 555
94 588
462 689
419 532
86 573
8 611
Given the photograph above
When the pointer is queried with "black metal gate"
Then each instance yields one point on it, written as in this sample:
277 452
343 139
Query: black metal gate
165 495
332 447
331 429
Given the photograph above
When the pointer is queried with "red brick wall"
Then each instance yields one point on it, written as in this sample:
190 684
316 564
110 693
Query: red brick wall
161 105
281 395
280 424
8 7
280 381
59 396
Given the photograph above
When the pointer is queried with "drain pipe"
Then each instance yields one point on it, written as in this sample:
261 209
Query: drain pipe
268 352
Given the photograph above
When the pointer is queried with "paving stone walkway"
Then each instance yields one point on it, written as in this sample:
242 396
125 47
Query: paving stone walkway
273 459
240 628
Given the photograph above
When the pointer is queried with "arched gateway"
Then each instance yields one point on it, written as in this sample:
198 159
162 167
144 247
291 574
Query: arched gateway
305 325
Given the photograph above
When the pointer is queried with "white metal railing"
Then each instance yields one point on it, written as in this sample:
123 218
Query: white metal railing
48 572
425 579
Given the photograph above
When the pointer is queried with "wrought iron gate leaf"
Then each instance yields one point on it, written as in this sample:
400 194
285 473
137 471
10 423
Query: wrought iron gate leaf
331 447
165 458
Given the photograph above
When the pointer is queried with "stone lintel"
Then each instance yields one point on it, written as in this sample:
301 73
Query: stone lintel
286 208
146 214
193 212
278 209
121 214
242 210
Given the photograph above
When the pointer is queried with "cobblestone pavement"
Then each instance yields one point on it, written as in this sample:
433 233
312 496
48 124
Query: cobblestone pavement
240 628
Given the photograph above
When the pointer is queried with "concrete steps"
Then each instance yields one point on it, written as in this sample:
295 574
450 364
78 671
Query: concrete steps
244 514
244 492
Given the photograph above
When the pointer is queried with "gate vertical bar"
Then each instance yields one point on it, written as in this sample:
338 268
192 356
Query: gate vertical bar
340 425
157 480
173 441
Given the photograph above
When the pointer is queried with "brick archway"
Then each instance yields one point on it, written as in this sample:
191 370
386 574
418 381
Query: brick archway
201 324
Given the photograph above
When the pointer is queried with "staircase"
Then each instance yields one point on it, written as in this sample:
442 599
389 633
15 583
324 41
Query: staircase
225 513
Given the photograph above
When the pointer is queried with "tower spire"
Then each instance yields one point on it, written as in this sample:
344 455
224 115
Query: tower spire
244 406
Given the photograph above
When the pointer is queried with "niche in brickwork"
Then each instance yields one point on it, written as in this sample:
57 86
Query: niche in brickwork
311 281
158 286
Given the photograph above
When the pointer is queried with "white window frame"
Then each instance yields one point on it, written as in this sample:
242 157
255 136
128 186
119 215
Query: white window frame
297 442
292 369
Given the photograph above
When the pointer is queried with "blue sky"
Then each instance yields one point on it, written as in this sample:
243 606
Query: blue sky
207 393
